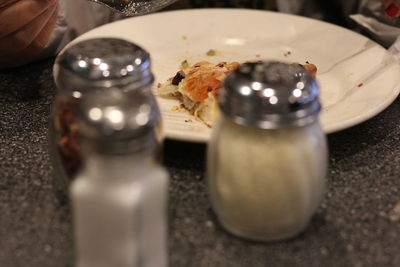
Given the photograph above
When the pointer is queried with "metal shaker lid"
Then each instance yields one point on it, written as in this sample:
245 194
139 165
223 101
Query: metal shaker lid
113 121
104 62
270 95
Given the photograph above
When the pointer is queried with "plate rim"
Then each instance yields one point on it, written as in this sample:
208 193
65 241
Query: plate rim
336 127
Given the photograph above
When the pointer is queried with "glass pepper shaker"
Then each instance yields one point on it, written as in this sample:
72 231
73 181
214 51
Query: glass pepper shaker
267 158
94 65
119 197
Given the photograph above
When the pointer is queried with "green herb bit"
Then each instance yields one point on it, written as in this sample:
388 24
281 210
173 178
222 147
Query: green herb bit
184 64
211 52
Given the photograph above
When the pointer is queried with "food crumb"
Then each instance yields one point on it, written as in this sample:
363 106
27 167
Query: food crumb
175 108
189 120
184 37
324 251
209 224
258 55
158 85
394 215
184 64
360 84
287 53
211 52
47 248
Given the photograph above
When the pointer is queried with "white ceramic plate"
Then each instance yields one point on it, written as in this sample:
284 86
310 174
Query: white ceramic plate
357 82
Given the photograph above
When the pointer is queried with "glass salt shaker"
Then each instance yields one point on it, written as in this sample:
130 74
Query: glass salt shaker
119 197
267 158
94 65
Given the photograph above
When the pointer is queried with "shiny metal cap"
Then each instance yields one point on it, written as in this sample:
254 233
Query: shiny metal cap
104 62
270 95
114 122
135 7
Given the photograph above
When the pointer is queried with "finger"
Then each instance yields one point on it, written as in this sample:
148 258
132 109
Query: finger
23 37
20 13
5 3
44 36
37 45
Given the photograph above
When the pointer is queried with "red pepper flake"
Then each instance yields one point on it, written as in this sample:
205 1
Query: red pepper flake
158 85
360 84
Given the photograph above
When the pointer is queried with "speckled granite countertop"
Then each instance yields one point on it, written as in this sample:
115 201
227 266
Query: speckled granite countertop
353 227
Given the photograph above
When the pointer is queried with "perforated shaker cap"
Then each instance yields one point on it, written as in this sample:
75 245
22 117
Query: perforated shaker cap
270 95
104 62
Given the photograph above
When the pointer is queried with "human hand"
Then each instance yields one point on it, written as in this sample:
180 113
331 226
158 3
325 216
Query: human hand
392 7
25 28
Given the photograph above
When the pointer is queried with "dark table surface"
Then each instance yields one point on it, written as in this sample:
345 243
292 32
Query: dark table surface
354 226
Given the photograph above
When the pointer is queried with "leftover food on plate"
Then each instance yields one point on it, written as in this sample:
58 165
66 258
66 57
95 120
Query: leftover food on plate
196 87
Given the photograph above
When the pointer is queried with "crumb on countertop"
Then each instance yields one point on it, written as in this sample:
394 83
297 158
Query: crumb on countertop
184 37
360 84
394 214
175 108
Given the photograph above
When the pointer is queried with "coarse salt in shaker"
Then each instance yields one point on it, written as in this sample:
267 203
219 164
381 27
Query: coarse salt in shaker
89 66
267 158
119 197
